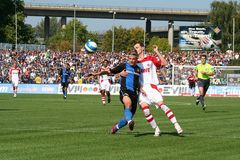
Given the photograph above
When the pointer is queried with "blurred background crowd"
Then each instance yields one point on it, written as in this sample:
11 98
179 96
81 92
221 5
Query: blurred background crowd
43 67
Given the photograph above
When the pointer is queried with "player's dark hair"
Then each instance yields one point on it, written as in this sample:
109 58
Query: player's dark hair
140 43
105 60
204 55
133 54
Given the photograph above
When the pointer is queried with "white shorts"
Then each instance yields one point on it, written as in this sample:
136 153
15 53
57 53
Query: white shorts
15 83
153 95
105 85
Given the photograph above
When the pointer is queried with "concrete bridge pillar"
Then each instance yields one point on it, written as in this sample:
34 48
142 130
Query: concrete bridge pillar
148 27
170 33
63 22
46 27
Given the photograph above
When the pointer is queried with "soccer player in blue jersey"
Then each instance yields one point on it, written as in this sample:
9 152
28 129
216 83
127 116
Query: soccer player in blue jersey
65 75
130 87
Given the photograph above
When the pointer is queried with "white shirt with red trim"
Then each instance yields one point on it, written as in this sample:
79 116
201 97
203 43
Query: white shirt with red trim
104 77
148 67
15 73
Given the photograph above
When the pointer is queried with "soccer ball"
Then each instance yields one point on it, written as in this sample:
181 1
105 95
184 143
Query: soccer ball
90 46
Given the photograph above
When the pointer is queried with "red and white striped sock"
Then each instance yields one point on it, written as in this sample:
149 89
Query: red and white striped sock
149 117
169 113
104 99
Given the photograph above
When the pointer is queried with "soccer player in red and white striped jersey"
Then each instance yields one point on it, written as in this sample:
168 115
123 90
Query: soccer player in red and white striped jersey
14 77
192 83
149 82
105 83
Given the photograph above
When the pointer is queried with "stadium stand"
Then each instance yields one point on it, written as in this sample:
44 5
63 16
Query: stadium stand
35 64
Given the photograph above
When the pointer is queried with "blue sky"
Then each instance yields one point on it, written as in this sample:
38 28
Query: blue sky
104 25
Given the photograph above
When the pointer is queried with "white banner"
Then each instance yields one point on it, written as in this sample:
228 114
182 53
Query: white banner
166 90
93 89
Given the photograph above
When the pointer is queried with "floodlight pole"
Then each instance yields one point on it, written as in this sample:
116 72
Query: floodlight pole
171 33
113 30
233 41
16 25
74 28
144 32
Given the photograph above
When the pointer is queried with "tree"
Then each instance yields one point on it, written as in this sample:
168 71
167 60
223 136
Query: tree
162 44
64 38
124 39
121 41
221 15
7 23
7 8
136 35
107 41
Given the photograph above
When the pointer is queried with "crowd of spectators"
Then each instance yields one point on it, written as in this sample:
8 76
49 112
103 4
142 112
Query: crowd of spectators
43 67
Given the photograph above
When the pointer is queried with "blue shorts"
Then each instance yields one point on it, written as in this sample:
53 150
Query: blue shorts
65 84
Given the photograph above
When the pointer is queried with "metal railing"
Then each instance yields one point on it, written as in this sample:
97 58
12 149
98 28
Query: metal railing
121 8
6 46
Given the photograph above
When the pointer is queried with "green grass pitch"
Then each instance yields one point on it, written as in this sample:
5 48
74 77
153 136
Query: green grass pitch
39 127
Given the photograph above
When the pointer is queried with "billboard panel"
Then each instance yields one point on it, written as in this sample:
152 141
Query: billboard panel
233 79
199 38
93 89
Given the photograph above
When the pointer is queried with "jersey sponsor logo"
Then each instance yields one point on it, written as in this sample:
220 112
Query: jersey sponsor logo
145 70
135 73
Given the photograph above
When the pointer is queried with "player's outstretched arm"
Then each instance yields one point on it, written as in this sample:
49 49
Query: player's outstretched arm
124 73
99 73
162 59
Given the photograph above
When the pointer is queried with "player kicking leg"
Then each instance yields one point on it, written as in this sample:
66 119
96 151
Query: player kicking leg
130 104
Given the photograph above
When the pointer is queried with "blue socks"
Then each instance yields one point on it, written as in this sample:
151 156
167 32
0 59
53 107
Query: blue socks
127 117
64 93
128 114
121 123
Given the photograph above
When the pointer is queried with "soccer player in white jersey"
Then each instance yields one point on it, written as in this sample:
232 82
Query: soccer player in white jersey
105 83
14 77
149 82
